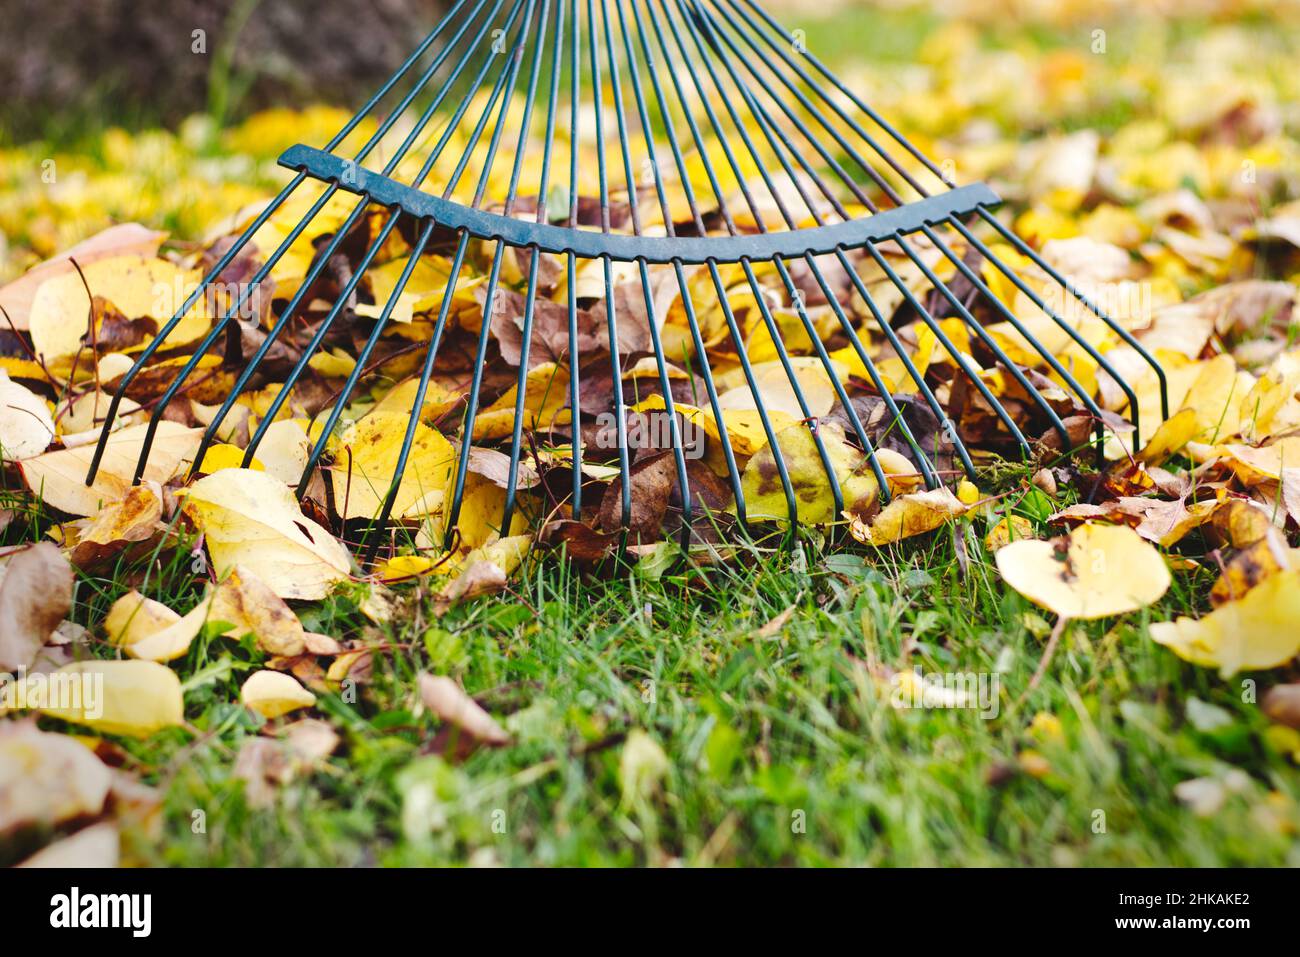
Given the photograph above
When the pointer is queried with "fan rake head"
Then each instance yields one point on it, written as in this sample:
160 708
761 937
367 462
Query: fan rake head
659 184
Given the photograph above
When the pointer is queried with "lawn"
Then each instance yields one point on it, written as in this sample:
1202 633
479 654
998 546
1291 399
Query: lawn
744 711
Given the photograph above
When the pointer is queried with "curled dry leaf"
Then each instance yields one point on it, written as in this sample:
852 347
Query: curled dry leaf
912 514
272 694
250 606
151 631
251 519
450 703
1094 572
35 596
117 526
1254 632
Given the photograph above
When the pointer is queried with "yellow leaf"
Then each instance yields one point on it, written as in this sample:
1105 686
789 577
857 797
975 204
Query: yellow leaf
1097 571
815 503
132 698
546 393
149 630
272 694
249 605
908 515
138 286
1256 631
251 519
47 778
59 478
365 465
221 456
26 426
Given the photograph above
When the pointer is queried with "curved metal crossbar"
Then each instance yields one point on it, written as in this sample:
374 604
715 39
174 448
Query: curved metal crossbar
708 153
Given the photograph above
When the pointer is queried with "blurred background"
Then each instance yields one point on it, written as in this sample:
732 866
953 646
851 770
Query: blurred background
172 113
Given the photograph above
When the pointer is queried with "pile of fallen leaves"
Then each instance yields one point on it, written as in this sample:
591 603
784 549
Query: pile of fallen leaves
1187 225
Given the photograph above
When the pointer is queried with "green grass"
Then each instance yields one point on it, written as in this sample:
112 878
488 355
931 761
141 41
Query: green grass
780 747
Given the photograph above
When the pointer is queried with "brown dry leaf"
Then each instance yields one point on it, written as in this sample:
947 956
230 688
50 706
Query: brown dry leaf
1094 572
912 514
132 520
1255 632
249 605
251 519
1251 565
35 595
450 703
1282 704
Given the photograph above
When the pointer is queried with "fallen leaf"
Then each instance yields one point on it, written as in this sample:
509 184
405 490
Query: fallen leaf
365 466
35 595
1095 572
1256 631
130 698
251 606
96 846
251 519
26 426
46 779
272 694
815 504
912 514
59 477
450 703
117 526
151 631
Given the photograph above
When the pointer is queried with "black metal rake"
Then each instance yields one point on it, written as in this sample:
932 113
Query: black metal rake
700 91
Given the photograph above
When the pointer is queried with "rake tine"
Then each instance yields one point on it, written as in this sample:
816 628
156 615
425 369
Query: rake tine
767 127
308 351
927 470
961 360
733 473
976 327
1010 316
372 533
669 408
228 257
575 74
840 393
170 392
157 341
318 447
732 326
508 78
857 101
516 441
258 277
850 411
1026 250
813 140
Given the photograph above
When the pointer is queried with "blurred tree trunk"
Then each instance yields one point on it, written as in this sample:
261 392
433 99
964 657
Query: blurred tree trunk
163 59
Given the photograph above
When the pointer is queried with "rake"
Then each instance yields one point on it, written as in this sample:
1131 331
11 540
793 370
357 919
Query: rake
723 126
